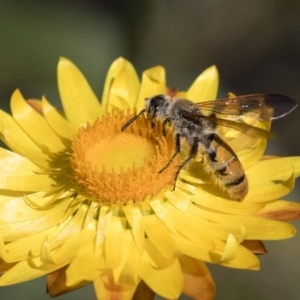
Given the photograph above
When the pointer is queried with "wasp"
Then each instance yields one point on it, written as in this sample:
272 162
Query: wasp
198 125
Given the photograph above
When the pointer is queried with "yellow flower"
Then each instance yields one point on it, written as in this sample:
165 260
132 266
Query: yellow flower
81 201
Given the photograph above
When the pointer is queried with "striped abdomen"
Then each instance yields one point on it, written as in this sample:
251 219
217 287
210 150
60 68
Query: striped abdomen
225 167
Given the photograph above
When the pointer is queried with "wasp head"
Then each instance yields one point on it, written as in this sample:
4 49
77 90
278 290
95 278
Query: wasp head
156 106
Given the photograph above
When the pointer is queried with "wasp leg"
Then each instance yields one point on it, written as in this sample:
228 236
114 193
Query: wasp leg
166 122
193 154
177 150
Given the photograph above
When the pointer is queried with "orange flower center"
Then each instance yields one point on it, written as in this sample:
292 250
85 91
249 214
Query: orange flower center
117 167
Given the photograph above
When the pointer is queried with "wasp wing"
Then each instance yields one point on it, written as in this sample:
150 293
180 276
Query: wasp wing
242 127
264 107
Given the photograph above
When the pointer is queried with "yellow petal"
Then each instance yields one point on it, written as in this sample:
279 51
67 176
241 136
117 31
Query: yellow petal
18 210
162 213
22 248
227 252
187 226
57 122
121 86
210 201
271 169
275 180
296 164
166 281
51 217
244 259
19 174
79 101
18 141
129 270
84 266
198 282
153 83
193 250
230 249
281 211
72 237
155 258
22 272
115 242
34 124
211 222
264 229
103 222
135 219
160 235
205 87
293 160
270 190
257 228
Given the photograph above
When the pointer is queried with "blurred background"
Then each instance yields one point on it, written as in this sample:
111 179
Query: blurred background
255 45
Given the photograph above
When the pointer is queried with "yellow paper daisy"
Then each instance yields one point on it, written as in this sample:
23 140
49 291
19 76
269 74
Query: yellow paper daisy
83 202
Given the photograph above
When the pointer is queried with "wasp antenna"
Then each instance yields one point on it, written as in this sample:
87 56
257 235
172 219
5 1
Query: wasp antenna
132 120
